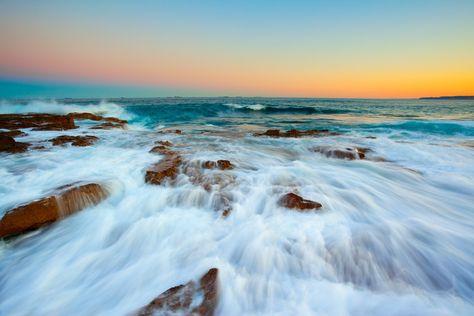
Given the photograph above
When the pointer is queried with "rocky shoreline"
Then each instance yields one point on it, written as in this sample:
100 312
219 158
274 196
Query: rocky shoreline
214 176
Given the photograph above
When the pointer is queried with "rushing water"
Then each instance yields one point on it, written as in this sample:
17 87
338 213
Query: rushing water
393 237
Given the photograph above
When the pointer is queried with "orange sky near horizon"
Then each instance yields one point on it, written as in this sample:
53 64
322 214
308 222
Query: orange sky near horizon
353 60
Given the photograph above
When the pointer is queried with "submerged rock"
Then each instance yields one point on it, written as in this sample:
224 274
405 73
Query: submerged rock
39 122
165 169
346 153
81 141
221 164
9 145
187 299
64 201
295 133
293 201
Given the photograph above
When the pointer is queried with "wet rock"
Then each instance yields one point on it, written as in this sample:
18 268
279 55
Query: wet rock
109 125
85 116
115 120
13 133
226 212
81 141
9 145
39 122
64 201
163 170
171 131
187 299
162 150
346 153
293 201
164 143
221 164
295 133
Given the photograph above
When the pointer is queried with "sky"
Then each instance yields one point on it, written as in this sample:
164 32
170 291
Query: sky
339 48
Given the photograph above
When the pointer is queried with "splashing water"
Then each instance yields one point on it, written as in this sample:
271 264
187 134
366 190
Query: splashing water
394 237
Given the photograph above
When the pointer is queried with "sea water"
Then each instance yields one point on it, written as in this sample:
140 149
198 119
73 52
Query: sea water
394 237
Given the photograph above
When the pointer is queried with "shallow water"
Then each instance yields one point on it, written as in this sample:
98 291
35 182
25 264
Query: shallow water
393 237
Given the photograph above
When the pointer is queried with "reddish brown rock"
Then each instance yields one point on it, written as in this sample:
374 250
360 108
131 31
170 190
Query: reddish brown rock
13 133
162 150
171 131
81 141
293 201
163 170
115 120
346 153
85 116
295 133
9 145
183 299
221 164
40 122
64 201
164 143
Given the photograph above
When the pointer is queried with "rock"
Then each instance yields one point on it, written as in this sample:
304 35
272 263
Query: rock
162 150
164 143
293 201
165 169
13 133
81 141
109 125
9 145
115 120
221 164
85 116
64 201
346 153
39 122
187 299
295 133
171 131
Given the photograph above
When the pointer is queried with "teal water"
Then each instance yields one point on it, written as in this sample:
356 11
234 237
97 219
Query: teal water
395 235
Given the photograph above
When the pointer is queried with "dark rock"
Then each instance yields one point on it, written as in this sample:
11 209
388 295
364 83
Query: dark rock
293 201
64 201
346 153
295 133
9 145
13 133
183 299
81 141
165 169
39 122
109 125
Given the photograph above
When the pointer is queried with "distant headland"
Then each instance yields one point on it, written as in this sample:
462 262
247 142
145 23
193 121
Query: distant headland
455 97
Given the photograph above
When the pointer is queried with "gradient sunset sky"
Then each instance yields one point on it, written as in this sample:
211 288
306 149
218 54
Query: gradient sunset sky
113 48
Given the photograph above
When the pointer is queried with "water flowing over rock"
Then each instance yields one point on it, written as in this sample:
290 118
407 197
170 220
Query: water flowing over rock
39 122
221 164
109 125
295 133
64 201
346 153
187 299
293 201
80 141
165 169
9 145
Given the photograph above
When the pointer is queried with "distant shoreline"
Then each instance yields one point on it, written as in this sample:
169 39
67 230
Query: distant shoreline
456 97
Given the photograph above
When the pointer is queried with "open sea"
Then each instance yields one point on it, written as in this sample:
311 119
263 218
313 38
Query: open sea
395 235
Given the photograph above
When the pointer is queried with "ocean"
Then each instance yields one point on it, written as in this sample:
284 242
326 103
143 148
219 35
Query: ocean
394 236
